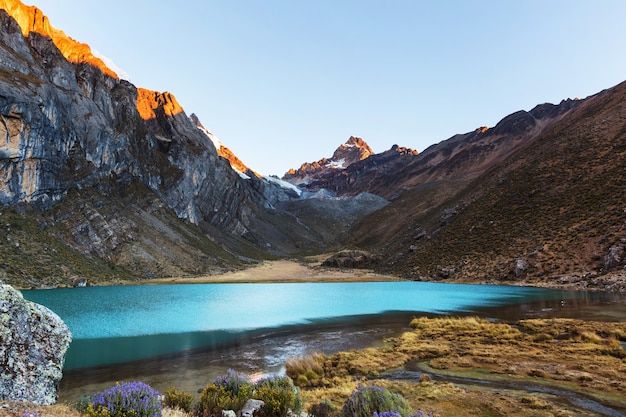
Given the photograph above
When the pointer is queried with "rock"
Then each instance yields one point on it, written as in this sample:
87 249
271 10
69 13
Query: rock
33 342
250 407
228 413
520 268
351 259
614 257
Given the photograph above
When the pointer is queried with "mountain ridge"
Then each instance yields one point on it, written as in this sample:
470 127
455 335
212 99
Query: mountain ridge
551 213
102 180
31 19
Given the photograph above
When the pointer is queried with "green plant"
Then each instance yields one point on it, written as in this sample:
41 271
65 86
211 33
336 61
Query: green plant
279 395
178 399
367 400
323 409
227 392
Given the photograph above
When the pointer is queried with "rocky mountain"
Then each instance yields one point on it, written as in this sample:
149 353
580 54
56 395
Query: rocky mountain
235 163
355 149
105 180
458 159
548 210
102 180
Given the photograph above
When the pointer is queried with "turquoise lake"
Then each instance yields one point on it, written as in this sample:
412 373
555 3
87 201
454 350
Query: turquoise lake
129 323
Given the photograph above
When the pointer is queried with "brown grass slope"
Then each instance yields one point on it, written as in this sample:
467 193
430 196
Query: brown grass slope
558 204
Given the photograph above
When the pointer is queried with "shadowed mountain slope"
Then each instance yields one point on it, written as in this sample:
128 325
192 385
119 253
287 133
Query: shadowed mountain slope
554 209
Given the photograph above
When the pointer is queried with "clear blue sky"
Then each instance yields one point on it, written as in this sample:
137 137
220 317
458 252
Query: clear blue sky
282 82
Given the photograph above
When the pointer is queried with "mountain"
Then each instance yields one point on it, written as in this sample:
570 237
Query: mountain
355 149
102 180
106 180
549 210
456 160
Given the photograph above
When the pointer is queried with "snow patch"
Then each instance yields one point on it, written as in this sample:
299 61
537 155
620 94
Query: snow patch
242 175
216 142
109 63
337 164
283 184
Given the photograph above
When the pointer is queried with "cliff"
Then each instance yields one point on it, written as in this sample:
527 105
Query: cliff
105 164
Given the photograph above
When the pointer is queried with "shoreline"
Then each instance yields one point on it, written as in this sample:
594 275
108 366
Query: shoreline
281 271
293 271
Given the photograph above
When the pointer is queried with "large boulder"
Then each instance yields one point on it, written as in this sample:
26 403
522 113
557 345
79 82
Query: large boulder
33 342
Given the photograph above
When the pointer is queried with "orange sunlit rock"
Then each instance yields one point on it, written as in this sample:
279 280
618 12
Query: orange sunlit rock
149 101
32 20
236 163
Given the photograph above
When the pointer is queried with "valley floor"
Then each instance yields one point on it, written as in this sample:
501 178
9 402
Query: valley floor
279 271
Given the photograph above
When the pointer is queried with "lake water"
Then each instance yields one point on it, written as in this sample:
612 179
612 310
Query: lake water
182 334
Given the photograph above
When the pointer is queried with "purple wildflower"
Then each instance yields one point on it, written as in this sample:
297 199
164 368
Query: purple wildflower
129 397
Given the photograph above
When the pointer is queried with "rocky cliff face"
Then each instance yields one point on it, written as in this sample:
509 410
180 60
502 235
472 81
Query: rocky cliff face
69 123
235 163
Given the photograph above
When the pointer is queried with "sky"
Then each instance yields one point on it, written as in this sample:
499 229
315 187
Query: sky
283 82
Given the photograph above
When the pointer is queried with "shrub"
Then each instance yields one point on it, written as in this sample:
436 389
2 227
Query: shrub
128 399
227 392
279 395
82 404
178 399
543 337
323 409
367 400
306 370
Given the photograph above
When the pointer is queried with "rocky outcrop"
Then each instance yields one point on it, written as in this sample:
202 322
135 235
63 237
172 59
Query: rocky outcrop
33 342
355 149
351 259
614 257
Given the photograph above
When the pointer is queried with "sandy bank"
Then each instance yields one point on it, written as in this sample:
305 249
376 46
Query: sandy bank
278 271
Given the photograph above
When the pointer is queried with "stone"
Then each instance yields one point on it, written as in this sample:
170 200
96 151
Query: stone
520 267
33 343
614 257
250 407
228 413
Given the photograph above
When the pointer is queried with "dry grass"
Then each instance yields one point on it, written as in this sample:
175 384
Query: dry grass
572 355
306 370
19 408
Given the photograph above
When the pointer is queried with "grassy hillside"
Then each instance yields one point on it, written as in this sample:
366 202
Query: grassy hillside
558 205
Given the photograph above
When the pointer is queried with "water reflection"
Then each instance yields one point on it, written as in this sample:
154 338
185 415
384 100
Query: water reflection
260 352
250 352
